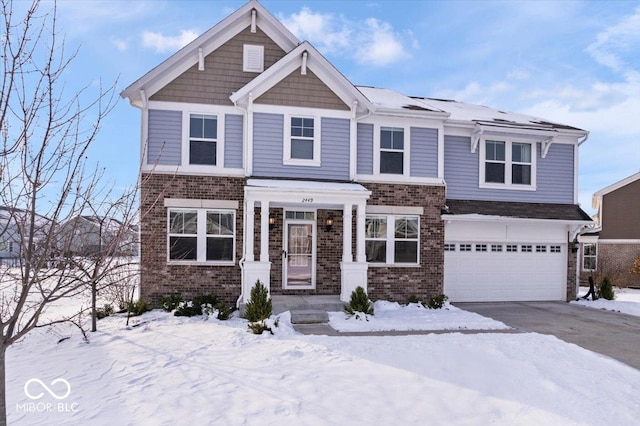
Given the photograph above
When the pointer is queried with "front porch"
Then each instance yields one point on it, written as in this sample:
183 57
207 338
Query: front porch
292 244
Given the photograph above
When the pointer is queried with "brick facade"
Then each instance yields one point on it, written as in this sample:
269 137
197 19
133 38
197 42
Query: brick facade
614 261
572 264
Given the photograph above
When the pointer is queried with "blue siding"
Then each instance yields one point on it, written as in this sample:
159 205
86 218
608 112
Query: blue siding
268 134
424 152
554 175
165 137
233 141
365 149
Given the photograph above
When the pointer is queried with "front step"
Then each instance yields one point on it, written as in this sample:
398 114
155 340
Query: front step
309 316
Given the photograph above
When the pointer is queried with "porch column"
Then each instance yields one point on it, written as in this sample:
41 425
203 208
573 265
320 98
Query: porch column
264 231
347 224
360 234
250 213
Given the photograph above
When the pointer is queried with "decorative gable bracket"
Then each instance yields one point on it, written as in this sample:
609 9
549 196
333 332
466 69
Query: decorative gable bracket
475 138
546 144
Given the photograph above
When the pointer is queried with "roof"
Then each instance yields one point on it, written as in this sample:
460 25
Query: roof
546 211
624 182
459 111
312 186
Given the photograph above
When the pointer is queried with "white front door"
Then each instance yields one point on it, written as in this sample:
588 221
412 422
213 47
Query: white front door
299 254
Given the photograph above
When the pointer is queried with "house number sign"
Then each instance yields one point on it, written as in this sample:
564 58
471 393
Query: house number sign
307 200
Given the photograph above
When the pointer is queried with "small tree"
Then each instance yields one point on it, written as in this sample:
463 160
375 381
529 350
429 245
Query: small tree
636 267
259 308
359 303
606 289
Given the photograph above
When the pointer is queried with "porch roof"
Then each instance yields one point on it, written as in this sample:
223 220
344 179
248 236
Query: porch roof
306 185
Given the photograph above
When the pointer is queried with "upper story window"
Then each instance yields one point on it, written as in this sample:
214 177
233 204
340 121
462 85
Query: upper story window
395 244
392 150
302 144
203 139
199 235
507 164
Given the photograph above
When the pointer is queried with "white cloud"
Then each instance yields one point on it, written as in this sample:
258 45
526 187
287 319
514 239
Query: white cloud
121 45
371 41
164 44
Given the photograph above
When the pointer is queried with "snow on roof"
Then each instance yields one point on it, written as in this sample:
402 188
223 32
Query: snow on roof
458 111
305 185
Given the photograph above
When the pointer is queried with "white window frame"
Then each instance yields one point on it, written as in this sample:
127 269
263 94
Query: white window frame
380 150
286 152
391 240
594 256
201 237
508 163
186 145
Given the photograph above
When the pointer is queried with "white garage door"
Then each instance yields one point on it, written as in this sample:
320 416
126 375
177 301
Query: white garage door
491 271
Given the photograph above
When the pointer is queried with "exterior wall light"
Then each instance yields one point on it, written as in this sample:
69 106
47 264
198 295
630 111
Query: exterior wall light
272 222
329 224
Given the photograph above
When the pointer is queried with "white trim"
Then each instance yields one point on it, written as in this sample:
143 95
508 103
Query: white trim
391 239
286 145
193 170
301 111
624 182
576 195
396 210
487 218
199 204
616 241
400 179
441 151
508 162
198 108
377 129
219 140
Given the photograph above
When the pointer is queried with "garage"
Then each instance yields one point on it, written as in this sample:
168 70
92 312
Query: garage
505 261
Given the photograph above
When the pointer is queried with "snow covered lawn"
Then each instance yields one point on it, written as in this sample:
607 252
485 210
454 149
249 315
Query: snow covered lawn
392 316
175 371
627 301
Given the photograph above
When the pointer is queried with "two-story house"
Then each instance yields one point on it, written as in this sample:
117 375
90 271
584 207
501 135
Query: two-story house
262 161
610 248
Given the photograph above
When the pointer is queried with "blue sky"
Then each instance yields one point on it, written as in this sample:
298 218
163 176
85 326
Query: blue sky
573 62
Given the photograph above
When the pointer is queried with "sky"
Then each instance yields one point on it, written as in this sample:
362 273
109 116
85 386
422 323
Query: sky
573 62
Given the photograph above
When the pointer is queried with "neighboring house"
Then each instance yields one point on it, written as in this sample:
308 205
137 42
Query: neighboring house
91 235
14 228
610 248
262 161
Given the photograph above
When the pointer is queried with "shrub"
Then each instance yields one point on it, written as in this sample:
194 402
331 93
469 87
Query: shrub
138 307
359 303
259 306
259 327
171 302
606 289
200 305
224 311
414 299
104 311
437 301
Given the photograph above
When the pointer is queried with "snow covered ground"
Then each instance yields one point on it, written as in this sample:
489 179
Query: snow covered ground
174 371
627 301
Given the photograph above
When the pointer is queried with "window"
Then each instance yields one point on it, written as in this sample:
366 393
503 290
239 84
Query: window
302 144
481 247
201 235
465 247
526 248
392 150
203 139
589 257
496 247
512 248
290 214
397 244
6 246
554 249
507 164
449 247
541 249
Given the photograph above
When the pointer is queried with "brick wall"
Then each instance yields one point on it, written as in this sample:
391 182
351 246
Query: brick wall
615 261
572 264
398 283
159 278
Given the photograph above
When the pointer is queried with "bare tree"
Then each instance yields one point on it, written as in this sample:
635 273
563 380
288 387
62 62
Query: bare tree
46 176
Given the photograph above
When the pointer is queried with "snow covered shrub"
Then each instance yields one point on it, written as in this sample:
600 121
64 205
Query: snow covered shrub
104 311
138 307
606 289
171 302
224 311
414 299
437 301
200 305
359 303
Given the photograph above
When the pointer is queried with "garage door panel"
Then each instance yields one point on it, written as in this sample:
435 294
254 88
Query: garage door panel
505 276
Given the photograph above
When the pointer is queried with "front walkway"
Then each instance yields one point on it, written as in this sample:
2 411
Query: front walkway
613 334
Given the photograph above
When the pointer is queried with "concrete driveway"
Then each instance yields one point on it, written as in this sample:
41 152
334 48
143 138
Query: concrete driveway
609 333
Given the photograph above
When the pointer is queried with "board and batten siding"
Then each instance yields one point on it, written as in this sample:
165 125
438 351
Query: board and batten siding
423 157
554 175
164 137
233 141
365 149
268 134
